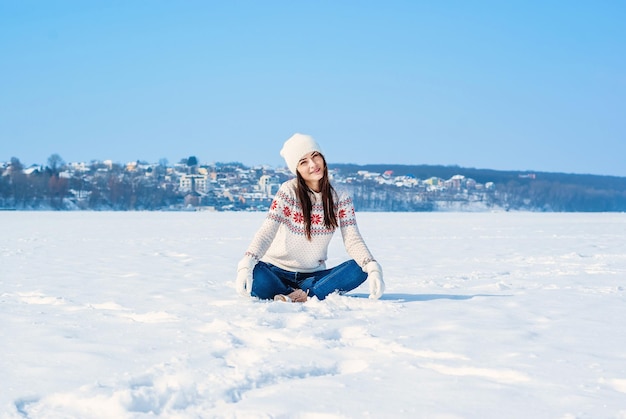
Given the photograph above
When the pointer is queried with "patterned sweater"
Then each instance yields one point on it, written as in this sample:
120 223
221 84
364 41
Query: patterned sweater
282 240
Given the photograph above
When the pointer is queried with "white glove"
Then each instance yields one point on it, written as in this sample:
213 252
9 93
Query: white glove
375 279
243 283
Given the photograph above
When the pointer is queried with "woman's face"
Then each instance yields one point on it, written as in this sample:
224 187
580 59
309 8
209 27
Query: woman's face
311 168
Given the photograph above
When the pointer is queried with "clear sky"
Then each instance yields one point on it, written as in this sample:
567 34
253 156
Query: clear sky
511 85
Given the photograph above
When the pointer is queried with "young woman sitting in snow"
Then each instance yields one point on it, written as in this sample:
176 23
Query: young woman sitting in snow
286 260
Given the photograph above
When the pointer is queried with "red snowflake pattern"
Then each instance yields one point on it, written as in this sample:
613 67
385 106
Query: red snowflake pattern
342 213
316 219
287 211
298 217
274 204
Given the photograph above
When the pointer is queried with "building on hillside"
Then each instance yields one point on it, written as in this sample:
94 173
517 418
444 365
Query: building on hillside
194 183
269 185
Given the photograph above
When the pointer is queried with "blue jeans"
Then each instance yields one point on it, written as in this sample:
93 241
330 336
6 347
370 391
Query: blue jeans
270 280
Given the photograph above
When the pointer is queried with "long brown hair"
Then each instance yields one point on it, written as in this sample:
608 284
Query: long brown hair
328 200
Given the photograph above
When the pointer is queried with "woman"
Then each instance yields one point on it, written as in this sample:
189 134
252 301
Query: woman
286 260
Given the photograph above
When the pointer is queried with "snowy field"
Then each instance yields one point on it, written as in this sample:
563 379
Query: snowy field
486 315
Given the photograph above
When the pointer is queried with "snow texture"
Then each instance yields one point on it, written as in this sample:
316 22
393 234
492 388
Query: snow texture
486 315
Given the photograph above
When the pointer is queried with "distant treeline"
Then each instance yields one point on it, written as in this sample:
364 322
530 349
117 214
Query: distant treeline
101 188
114 187
525 190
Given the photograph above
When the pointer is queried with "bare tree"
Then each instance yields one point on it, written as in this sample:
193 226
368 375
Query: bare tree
55 162
18 182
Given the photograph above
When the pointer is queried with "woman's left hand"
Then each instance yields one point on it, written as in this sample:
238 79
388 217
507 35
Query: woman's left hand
375 279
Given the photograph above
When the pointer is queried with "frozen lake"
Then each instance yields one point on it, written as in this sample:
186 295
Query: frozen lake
490 315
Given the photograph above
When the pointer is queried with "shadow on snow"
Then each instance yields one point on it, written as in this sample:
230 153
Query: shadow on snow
402 297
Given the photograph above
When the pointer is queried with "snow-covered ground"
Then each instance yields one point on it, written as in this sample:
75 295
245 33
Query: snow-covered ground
486 315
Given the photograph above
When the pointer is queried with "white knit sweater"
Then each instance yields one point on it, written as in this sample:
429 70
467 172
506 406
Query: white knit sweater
282 240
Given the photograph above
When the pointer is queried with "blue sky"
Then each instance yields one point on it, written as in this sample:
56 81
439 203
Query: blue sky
511 85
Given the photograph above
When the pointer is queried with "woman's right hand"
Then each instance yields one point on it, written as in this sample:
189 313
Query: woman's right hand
243 283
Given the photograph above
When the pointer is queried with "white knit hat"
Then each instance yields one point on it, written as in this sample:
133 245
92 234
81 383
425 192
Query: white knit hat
296 147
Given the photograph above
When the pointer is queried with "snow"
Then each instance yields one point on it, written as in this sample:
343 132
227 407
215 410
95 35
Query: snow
490 315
